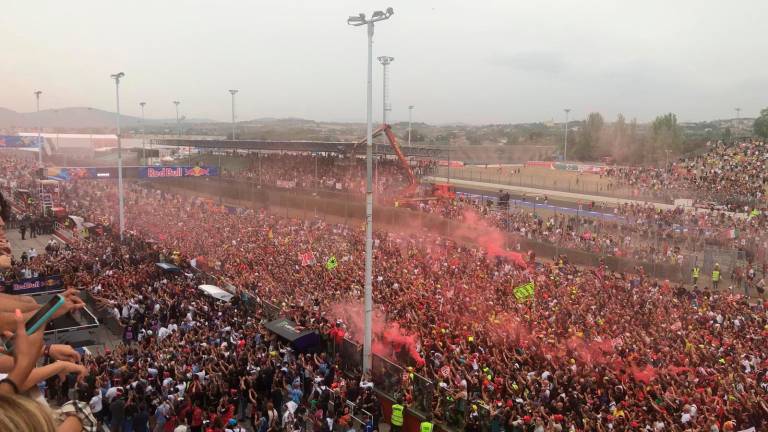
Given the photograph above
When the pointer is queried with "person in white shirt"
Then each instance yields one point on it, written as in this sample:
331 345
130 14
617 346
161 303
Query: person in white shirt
162 333
112 393
96 404
182 427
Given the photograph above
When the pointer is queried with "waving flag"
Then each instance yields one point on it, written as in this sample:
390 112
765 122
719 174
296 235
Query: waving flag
525 291
331 263
306 258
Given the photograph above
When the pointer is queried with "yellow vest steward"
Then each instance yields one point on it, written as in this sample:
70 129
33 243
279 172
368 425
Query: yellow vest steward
696 272
426 427
715 276
397 415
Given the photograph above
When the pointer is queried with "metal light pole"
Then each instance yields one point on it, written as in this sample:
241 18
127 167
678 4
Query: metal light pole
410 117
117 77
386 106
233 92
39 130
178 123
565 151
143 134
360 20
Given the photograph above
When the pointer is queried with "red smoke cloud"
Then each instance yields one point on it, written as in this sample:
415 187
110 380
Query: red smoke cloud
388 337
488 237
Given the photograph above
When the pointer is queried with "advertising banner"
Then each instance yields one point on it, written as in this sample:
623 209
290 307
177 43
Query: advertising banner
34 285
84 173
178 171
13 141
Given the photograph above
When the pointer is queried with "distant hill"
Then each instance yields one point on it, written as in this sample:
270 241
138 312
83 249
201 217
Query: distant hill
76 117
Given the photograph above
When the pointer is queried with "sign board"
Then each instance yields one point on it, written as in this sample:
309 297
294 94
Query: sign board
34 285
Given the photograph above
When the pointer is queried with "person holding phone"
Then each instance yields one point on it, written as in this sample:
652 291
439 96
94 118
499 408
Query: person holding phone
71 303
25 355
27 348
33 326
5 246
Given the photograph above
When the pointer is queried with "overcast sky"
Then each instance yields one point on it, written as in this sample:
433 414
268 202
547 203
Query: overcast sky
477 61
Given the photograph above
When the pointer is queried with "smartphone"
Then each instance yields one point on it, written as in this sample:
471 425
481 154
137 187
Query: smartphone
40 317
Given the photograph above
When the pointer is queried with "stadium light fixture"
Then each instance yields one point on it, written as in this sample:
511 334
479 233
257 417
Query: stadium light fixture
143 133
367 339
565 146
386 105
120 192
233 93
178 123
39 130
410 118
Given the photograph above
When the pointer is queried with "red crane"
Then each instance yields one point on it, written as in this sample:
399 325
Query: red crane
413 183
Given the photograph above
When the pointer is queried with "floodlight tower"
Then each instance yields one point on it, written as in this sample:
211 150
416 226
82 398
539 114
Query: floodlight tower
233 93
120 194
565 149
178 122
39 130
410 118
360 20
143 133
386 105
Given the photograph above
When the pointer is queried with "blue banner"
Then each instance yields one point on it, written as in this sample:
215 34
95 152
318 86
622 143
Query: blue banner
34 285
15 141
82 173
178 171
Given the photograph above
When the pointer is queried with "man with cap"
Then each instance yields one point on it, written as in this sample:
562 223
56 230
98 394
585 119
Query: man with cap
233 427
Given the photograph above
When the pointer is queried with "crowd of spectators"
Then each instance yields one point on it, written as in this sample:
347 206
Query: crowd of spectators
329 172
638 231
728 175
591 350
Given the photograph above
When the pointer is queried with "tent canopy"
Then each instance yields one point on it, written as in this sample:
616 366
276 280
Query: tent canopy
216 292
170 268
301 341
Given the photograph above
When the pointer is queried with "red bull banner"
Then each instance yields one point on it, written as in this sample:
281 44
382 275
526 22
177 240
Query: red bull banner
34 285
14 141
178 171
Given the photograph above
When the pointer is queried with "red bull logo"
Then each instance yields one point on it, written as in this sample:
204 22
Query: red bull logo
197 171
177 171
165 172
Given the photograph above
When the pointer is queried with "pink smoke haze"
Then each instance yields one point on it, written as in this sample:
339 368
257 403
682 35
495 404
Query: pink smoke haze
388 337
489 238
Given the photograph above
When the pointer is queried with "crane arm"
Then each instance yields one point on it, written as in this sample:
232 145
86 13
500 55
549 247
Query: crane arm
412 182
387 130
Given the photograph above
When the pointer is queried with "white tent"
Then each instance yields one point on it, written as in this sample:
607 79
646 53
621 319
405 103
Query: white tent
216 292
